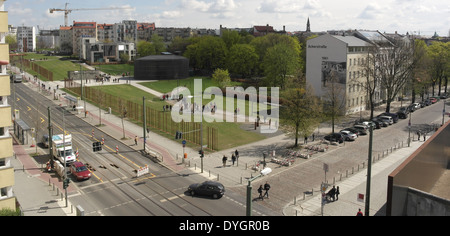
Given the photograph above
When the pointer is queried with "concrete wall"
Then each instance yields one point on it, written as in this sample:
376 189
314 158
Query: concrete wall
419 173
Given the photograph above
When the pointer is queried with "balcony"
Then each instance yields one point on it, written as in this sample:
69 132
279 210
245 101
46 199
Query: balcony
4 52
4 86
3 21
5 116
6 147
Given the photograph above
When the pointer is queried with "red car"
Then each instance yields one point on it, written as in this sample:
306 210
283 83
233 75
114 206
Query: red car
80 171
433 100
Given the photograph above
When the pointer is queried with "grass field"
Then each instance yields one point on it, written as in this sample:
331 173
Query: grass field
230 134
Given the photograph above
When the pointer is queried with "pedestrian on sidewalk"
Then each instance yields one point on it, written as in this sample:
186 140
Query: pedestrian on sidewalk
135 140
333 193
267 188
337 193
260 190
359 213
233 158
224 160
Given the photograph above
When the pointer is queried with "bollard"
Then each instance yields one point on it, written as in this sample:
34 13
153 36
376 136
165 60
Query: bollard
217 177
295 200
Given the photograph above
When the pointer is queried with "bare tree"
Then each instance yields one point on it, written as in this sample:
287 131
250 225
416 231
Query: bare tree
394 66
333 98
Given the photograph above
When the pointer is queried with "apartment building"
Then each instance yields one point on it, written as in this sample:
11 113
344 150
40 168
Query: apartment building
337 64
26 38
7 199
82 30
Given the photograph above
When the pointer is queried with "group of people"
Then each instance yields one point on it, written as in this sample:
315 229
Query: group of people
266 193
334 193
234 158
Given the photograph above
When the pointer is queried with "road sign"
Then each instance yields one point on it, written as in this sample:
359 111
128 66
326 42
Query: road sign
183 142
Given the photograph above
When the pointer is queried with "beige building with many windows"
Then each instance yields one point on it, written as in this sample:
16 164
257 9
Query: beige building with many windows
7 199
336 67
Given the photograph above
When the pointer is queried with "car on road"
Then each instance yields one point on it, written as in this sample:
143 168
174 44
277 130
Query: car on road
335 137
433 100
353 130
361 128
387 119
416 105
392 115
80 171
403 113
208 188
348 136
382 123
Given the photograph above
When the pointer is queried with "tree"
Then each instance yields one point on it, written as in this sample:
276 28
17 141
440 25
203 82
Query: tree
158 43
242 59
301 109
394 66
208 53
333 98
230 37
145 48
222 77
440 57
280 62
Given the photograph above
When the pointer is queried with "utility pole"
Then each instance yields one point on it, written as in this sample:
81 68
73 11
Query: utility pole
369 172
145 122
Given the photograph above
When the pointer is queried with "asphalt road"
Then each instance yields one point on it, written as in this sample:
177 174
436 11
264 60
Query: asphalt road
114 188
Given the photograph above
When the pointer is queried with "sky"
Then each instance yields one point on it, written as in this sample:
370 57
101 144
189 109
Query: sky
422 17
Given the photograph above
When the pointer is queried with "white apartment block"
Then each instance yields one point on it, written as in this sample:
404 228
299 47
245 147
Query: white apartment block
341 59
26 38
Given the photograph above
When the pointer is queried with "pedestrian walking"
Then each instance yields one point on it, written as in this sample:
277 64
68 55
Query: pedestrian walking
337 193
267 188
260 190
135 140
224 160
233 158
359 213
333 193
418 135
236 153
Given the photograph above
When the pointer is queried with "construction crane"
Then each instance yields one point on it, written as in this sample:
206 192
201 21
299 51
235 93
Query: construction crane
67 11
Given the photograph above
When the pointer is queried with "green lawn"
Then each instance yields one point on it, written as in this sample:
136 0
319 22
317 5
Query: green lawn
58 65
230 134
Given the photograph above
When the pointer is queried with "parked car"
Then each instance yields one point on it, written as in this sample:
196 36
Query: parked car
353 130
427 102
348 136
335 137
416 105
361 128
80 171
392 115
380 122
375 125
207 188
403 113
433 100
387 119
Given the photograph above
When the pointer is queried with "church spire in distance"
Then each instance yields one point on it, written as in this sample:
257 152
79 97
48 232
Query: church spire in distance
308 26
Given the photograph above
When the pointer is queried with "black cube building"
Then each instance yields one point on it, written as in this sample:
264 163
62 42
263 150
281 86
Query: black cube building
161 67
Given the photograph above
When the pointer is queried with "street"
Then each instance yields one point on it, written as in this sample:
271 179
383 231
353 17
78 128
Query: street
114 188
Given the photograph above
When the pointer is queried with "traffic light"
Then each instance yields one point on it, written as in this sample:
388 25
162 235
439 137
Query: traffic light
202 153
97 146
66 183
178 135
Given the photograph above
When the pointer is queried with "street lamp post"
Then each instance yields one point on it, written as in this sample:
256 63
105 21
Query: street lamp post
264 172
369 172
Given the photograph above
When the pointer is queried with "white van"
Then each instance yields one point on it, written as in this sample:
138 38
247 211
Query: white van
388 119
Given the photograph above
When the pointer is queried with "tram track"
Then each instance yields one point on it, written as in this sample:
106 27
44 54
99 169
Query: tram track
111 176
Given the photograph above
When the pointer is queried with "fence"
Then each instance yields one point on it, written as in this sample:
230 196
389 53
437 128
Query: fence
156 119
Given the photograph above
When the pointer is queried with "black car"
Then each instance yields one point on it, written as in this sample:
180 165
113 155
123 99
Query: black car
335 137
403 113
207 188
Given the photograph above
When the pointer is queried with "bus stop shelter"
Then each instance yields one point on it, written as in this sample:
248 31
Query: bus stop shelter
21 130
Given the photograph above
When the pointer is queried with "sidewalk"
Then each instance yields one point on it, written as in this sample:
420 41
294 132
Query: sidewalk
348 203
